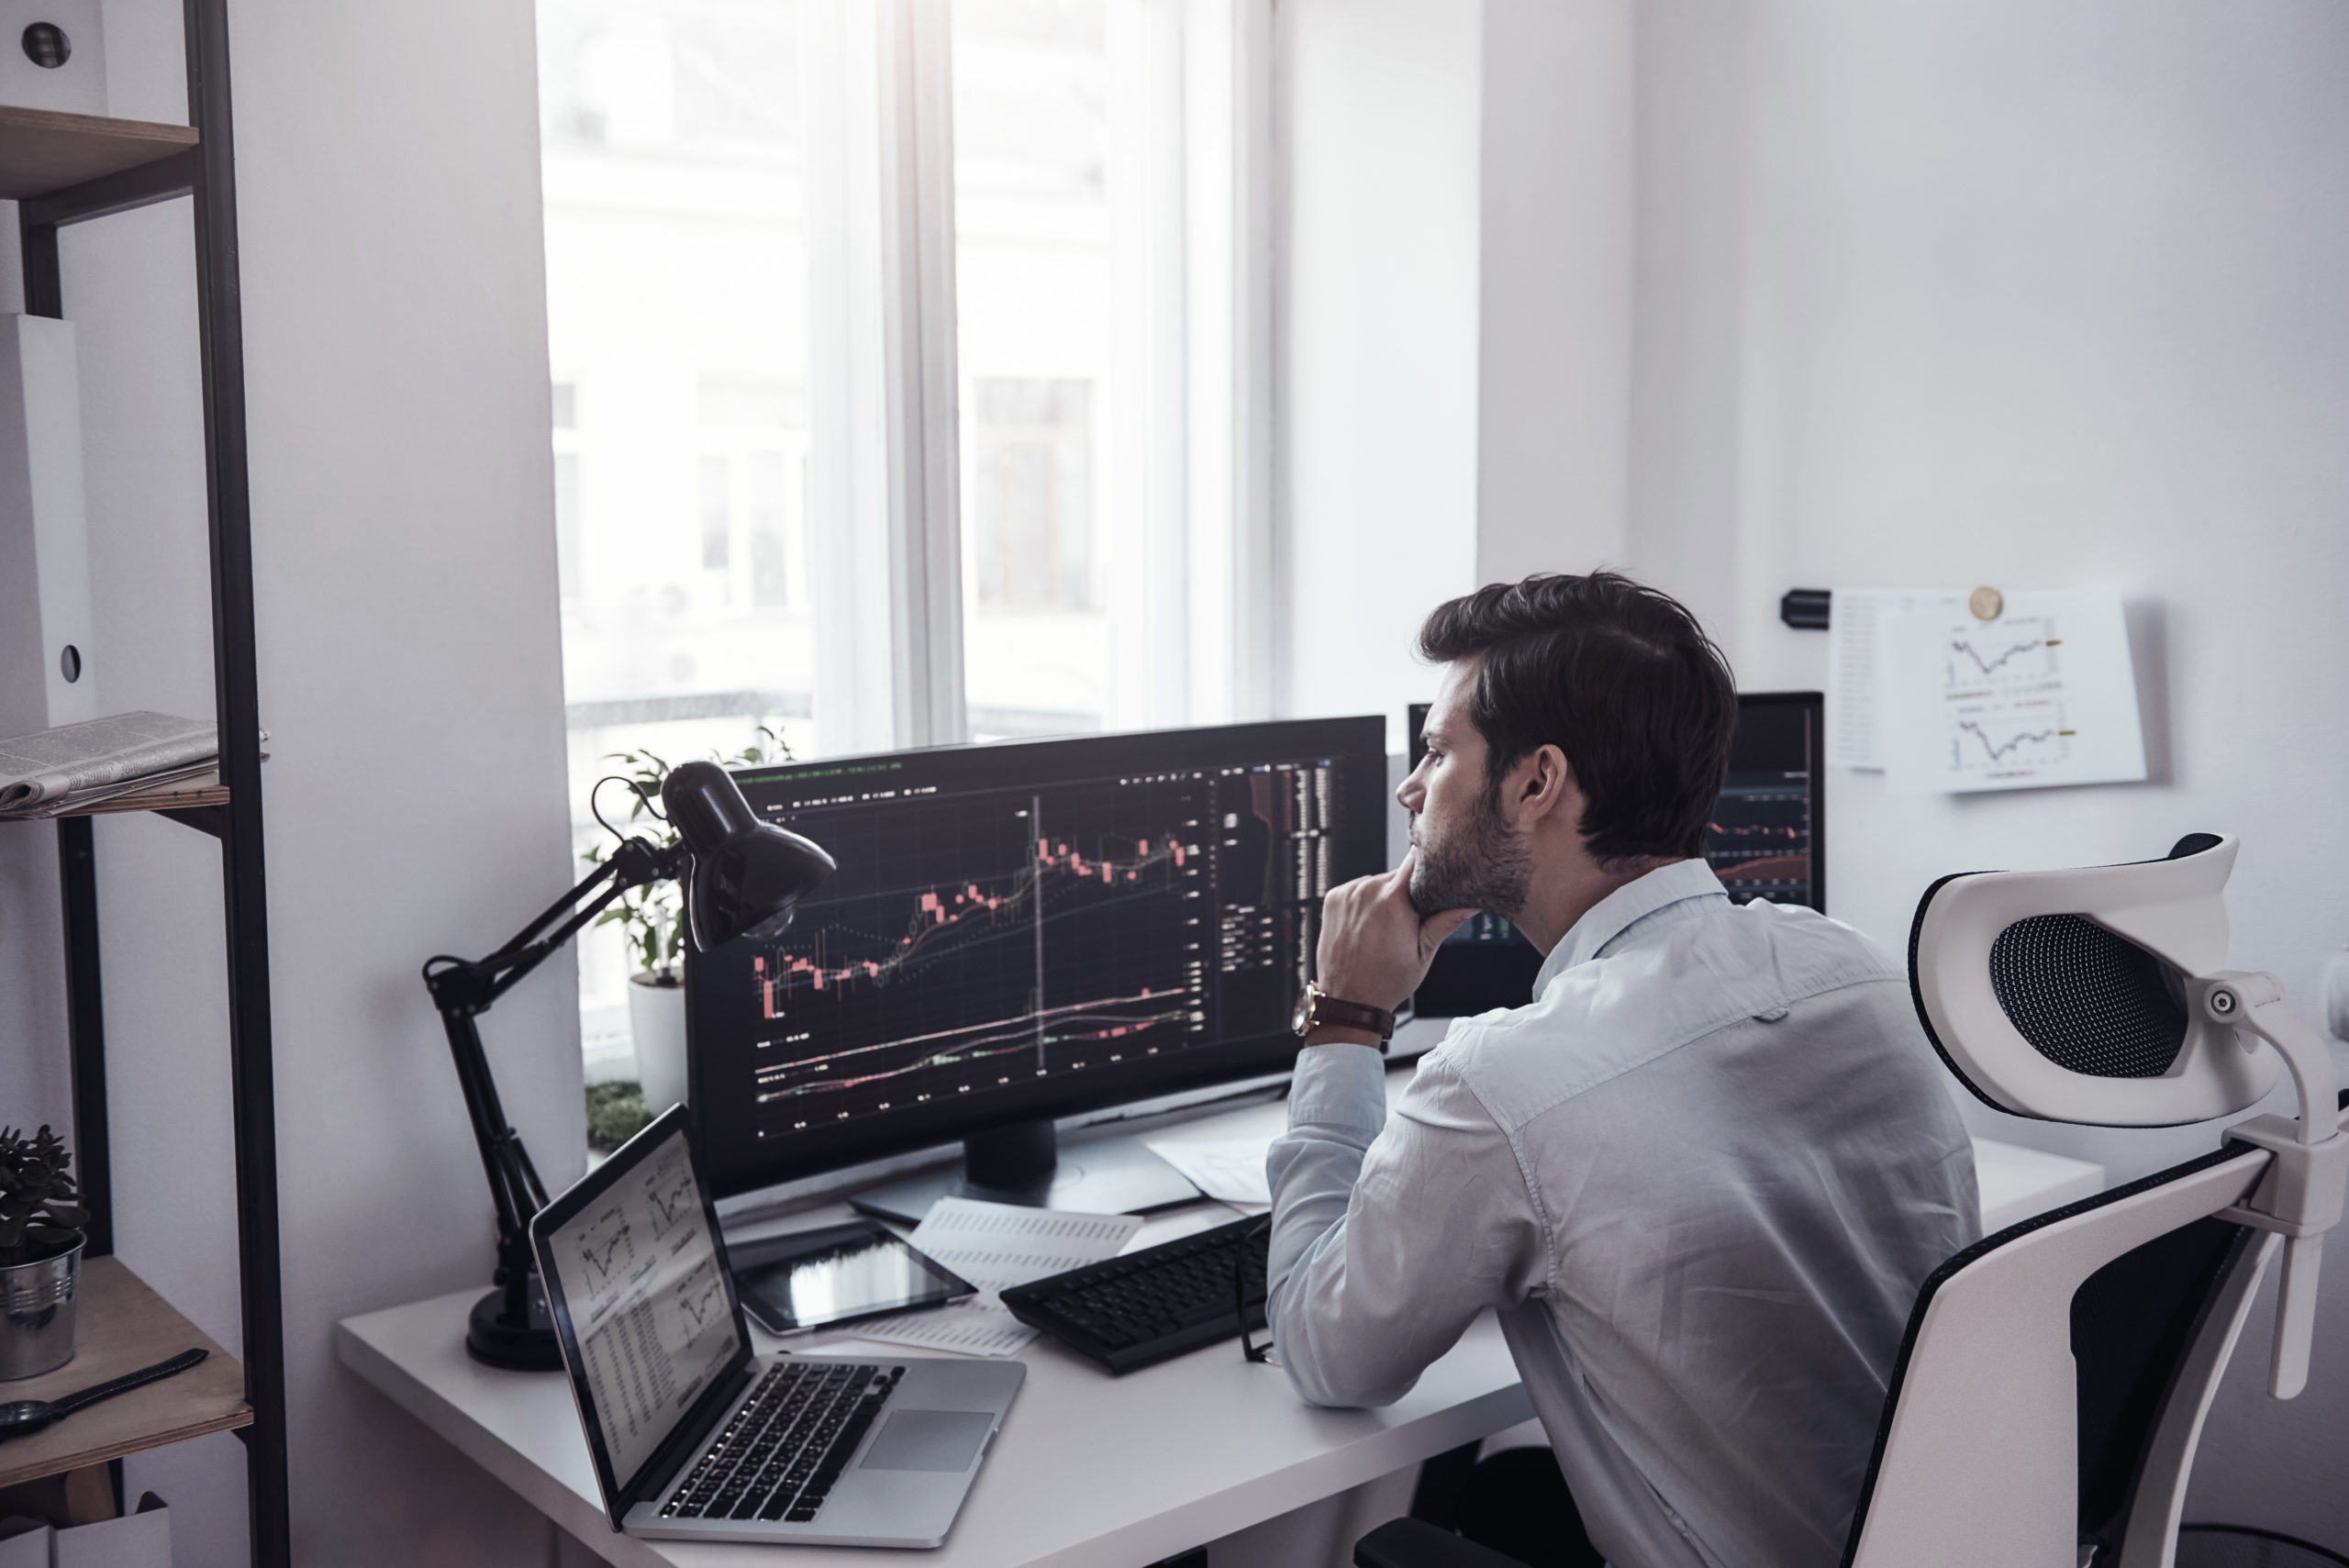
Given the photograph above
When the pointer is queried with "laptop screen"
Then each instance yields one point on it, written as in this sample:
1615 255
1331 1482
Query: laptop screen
648 1306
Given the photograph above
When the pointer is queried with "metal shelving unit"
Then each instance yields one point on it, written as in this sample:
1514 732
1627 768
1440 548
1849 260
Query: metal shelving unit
66 169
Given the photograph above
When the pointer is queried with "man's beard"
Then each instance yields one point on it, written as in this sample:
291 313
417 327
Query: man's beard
1477 865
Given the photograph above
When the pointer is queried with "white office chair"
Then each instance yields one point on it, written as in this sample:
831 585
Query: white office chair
2052 1385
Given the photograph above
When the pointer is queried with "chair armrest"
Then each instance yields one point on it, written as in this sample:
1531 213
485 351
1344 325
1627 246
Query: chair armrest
1414 1544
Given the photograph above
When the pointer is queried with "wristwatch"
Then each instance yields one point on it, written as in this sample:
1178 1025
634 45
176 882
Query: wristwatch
1316 1008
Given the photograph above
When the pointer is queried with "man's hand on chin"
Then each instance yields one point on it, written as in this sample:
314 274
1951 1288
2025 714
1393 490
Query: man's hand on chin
1375 947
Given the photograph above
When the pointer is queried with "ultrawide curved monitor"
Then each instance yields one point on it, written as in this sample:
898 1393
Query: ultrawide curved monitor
1026 931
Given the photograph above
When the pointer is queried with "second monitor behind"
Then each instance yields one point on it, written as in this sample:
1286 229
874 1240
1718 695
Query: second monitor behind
1768 839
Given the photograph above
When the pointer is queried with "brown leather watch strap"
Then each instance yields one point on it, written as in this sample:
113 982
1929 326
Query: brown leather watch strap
1329 1009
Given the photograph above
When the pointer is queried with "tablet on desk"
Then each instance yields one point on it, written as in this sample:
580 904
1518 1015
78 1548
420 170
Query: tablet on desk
814 1279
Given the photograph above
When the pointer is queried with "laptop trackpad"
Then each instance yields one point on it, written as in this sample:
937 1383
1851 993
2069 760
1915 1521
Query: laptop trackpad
929 1440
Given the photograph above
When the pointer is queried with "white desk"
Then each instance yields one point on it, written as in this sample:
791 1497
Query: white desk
1090 1471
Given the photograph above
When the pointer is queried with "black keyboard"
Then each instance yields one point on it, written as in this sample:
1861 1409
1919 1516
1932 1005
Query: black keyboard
1142 1308
787 1444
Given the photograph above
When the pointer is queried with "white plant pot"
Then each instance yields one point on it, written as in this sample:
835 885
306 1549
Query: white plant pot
656 1021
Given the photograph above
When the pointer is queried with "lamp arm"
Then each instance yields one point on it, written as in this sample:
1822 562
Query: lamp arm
463 989
522 939
473 985
514 965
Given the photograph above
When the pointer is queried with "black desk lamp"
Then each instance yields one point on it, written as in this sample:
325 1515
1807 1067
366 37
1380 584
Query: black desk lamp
742 877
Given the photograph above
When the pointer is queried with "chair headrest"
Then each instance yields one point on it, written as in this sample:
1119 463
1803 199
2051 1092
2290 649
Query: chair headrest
2057 993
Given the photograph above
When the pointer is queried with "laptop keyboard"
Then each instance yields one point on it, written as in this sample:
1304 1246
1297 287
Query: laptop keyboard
786 1445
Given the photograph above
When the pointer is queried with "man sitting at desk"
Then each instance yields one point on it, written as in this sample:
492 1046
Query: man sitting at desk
1701 1177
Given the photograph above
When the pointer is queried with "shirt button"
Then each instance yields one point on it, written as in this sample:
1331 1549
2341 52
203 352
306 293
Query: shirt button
1770 1015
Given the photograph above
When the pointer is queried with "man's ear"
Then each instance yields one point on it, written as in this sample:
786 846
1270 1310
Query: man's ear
1546 779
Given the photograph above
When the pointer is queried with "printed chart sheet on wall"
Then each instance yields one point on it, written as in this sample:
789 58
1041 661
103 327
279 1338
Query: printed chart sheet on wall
1859 692
2043 694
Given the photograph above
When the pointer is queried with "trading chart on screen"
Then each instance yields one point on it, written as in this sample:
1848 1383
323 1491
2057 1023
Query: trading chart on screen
1762 840
978 937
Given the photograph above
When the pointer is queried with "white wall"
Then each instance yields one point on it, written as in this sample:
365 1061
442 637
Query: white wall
1456 314
1376 362
393 293
403 513
1554 298
2035 295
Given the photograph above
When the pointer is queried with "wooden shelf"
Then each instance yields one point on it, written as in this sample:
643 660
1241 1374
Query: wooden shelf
44 150
120 1327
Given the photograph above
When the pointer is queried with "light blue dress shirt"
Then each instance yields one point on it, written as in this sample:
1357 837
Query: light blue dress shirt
1700 1178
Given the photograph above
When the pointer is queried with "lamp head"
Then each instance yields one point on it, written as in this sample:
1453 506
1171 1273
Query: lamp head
747 875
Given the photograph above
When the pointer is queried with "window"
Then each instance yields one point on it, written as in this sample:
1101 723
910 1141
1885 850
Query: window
1087 191
900 375
1031 508
754 494
675 194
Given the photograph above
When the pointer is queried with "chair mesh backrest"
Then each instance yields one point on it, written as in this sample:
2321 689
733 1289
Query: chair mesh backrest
2087 1000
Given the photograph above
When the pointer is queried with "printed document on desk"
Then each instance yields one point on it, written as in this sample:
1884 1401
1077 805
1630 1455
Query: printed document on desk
994 1245
997 1245
1229 1169
2043 694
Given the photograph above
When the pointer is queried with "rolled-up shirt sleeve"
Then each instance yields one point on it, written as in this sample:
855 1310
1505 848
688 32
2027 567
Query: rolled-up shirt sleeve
1389 1235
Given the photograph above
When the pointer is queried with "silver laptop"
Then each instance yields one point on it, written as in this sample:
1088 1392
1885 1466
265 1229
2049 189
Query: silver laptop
695 1438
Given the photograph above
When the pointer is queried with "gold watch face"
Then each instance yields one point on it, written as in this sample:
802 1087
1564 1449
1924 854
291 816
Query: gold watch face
1303 1019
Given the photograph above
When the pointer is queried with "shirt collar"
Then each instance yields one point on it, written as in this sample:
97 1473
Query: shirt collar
1624 907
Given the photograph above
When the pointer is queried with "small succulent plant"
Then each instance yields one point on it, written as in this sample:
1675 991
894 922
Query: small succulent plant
39 1214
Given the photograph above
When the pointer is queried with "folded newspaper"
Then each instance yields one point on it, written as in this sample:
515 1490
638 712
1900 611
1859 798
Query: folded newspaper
51 771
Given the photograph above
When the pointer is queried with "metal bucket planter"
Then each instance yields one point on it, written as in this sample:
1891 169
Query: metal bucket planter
37 1314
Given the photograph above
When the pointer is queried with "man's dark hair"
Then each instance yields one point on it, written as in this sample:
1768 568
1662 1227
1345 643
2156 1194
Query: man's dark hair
1617 676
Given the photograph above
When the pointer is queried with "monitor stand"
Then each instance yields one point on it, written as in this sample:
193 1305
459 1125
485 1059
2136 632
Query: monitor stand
1022 1164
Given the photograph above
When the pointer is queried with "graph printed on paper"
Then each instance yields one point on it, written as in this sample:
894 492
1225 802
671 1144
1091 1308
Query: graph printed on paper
2044 695
2014 653
2002 691
2008 736
1080 925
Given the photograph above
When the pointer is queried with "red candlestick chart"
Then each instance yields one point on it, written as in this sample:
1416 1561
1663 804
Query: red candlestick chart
1077 946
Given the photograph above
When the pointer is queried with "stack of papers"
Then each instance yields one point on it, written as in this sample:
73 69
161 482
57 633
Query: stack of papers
994 1245
74 766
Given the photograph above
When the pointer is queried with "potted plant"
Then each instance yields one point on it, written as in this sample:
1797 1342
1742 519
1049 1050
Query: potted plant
40 1253
652 920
